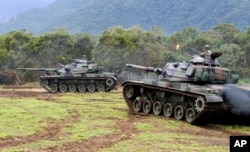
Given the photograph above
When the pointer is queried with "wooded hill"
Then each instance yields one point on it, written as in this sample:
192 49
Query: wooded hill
95 16
117 46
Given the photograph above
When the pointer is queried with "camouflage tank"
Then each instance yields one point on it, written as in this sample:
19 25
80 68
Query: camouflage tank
183 90
78 76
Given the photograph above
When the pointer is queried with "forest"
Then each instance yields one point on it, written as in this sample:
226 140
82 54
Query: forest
117 46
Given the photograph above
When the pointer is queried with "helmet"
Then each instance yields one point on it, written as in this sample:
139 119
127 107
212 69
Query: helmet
207 46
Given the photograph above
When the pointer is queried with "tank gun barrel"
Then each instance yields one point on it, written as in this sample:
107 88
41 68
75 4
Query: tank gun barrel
47 71
148 69
35 69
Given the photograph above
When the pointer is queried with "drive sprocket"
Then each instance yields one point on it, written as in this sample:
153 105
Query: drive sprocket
199 104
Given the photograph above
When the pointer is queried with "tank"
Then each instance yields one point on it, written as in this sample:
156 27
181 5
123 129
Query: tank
188 91
77 76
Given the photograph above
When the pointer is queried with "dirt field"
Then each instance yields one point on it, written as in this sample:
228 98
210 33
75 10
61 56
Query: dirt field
53 131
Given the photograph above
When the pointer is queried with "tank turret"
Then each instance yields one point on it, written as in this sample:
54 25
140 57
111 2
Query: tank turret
77 76
197 71
184 90
206 60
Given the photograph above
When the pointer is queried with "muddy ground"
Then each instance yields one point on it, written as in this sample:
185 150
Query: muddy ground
53 130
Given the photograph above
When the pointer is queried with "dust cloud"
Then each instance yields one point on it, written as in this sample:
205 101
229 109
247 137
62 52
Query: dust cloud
238 99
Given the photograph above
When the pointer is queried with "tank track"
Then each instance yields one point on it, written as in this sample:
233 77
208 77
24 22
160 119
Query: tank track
200 116
92 84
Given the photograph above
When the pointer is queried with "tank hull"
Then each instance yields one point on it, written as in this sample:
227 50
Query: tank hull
91 84
172 100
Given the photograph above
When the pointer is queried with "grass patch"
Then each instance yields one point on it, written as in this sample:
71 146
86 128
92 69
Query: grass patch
149 141
20 117
162 123
160 134
96 115
34 146
87 128
234 128
32 84
96 105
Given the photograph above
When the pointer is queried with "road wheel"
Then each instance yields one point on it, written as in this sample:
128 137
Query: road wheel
129 91
63 88
137 105
157 108
100 88
179 112
91 88
147 106
44 82
190 115
72 88
168 110
81 88
53 88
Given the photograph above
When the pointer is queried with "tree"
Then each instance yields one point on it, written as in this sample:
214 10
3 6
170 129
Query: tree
183 39
53 48
82 46
244 40
118 46
3 56
232 57
223 34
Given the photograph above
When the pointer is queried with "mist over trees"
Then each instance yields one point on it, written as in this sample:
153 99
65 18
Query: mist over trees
117 46
95 16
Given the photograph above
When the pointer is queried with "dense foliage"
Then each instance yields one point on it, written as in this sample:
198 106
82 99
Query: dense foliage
117 46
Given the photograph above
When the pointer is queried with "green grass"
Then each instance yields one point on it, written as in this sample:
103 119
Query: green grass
34 146
89 127
153 137
32 84
20 117
97 118
234 128
244 81
148 141
98 115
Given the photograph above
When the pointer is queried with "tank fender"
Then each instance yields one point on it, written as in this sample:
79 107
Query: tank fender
125 82
112 77
213 98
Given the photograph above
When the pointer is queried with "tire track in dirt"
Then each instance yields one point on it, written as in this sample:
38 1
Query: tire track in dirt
49 132
26 93
124 130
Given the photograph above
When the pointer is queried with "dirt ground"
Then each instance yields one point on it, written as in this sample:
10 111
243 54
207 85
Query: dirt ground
53 130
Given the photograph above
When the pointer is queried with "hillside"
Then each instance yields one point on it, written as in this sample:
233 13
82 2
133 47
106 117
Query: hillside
95 16
10 8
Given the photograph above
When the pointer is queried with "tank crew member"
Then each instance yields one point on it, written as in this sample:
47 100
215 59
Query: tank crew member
84 57
207 52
